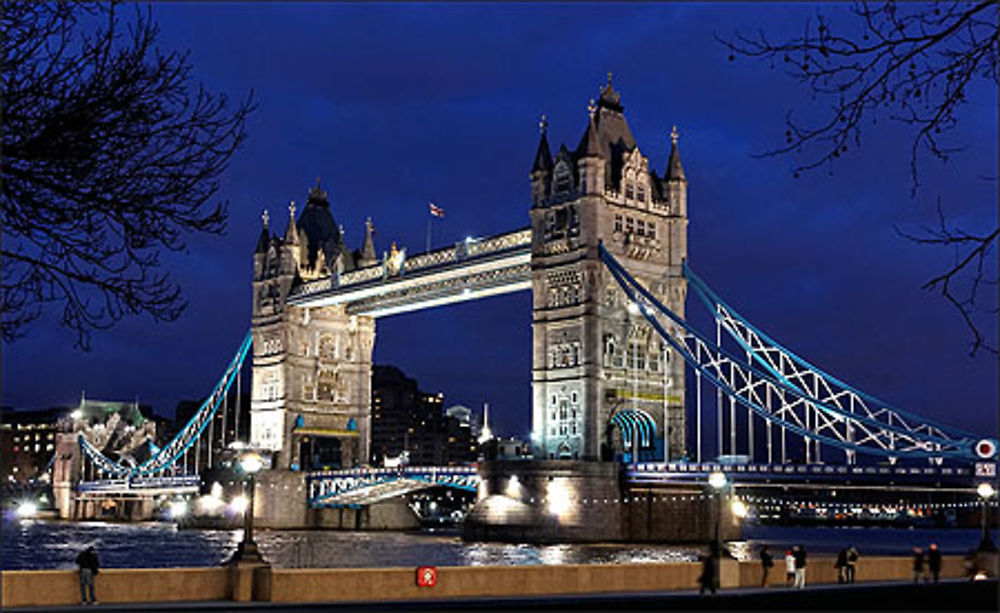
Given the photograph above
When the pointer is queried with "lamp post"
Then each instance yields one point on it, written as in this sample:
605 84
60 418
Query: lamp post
718 482
247 551
986 491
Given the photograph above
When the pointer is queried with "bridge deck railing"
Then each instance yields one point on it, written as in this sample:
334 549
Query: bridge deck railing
461 251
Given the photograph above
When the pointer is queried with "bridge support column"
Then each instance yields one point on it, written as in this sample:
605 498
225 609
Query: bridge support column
547 502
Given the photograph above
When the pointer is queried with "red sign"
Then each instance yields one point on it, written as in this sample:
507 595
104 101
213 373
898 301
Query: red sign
427 576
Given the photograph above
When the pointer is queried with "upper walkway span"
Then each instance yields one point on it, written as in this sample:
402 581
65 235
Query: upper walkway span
468 270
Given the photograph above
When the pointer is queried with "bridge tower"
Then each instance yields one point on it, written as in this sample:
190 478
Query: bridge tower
592 357
311 365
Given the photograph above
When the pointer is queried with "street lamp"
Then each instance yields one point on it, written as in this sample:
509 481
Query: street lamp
986 491
249 464
718 482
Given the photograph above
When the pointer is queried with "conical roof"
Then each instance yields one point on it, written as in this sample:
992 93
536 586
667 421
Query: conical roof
265 236
543 156
675 171
317 225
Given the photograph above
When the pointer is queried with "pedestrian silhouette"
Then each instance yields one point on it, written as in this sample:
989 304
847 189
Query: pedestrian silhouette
934 561
709 578
799 553
88 563
918 565
766 562
852 561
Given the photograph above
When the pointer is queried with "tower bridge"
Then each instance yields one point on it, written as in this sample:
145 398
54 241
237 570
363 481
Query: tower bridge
605 258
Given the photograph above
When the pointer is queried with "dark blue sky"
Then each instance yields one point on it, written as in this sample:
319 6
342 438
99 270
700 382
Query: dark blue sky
395 105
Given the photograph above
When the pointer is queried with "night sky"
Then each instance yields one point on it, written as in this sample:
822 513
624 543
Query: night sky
392 106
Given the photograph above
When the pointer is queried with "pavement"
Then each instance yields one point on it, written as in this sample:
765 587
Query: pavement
953 595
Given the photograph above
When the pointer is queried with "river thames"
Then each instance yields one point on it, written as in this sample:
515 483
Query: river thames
42 544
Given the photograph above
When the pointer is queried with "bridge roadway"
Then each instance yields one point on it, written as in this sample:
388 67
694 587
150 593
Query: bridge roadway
471 269
361 486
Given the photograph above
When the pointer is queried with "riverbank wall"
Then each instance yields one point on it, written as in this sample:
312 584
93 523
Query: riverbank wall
279 585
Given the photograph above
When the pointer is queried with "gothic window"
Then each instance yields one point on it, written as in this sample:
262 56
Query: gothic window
628 191
563 180
326 388
574 222
641 193
618 223
327 347
583 180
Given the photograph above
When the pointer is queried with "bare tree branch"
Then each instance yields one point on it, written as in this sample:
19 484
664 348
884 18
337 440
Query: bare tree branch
912 63
110 155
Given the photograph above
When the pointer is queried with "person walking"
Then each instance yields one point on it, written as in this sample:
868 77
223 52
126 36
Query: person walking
789 568
918 565
841 565
934 561
799 553
708 580
852 561
766 562
88 563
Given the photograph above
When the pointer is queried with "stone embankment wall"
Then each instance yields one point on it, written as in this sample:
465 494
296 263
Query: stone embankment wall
60 587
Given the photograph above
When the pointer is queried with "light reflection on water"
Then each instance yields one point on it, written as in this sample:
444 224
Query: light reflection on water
36 544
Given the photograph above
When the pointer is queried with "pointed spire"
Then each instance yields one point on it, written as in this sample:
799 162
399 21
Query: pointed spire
675 172
368 247
543 157
485 433
590 145
265 234
610 99
291 235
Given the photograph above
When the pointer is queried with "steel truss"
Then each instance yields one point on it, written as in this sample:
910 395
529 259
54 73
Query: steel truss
164 462
826 389
771 394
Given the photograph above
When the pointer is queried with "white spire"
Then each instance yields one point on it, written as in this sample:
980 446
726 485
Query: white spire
485 434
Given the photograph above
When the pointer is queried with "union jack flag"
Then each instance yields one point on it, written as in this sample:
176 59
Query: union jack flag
436 211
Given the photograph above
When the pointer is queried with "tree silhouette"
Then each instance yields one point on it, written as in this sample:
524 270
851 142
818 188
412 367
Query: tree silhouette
912 63
110 156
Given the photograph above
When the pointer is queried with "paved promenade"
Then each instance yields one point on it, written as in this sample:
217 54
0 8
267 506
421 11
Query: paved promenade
949 595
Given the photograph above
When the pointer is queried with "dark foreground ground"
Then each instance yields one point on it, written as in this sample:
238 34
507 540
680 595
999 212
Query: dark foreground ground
946 596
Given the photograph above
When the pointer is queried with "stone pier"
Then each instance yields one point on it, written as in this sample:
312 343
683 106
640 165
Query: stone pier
559 501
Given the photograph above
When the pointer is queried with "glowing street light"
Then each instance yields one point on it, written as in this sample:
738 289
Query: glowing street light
178 509
986 491
27 509
739 508
249 464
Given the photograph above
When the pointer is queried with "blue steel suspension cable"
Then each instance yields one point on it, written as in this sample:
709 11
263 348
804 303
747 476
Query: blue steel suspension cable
167 454
711 301
625 280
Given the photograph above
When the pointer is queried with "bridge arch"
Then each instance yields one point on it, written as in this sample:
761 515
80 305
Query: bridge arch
636 431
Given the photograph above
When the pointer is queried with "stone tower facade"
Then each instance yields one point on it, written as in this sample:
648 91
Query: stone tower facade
591 356
311 397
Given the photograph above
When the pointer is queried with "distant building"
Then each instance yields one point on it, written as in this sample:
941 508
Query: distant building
405 419
27 444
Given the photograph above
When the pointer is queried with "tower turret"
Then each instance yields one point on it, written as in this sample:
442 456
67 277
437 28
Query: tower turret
541 170
590 158
675 179
368 256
